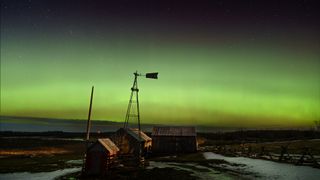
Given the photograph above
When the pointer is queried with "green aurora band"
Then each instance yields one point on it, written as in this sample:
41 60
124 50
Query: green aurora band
199 83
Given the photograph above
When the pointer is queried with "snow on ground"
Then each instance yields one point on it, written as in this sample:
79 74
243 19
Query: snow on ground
201 172
38 176
268 169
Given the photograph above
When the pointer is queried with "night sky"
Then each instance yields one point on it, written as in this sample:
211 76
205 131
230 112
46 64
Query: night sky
221 63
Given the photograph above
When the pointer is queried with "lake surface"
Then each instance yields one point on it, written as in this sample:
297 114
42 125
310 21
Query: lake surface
29 124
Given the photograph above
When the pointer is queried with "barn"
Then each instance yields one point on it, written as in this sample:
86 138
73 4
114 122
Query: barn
100 156
171 140
129 142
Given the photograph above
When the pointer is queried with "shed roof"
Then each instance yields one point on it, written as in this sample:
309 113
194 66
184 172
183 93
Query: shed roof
174 131
135 134
109 145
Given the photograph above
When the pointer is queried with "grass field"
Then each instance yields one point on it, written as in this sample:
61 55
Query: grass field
38 154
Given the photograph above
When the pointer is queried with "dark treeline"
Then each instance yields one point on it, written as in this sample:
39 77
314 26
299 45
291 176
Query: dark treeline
262 135
245 135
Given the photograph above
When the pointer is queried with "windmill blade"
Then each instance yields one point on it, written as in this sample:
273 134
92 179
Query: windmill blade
152 75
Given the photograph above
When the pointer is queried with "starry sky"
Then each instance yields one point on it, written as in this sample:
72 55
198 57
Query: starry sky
220 62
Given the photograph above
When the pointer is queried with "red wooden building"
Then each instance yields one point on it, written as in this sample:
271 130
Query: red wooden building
99 157
129 141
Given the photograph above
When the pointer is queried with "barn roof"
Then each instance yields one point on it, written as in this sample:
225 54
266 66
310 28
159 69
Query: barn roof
109 145
135 133
174 131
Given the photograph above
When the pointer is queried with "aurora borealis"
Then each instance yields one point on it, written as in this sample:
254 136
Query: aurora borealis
220 63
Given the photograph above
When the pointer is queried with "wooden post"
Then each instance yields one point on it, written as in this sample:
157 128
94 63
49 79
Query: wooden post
89 115
88 134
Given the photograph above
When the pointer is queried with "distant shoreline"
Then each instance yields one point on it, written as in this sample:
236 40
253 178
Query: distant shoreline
39 124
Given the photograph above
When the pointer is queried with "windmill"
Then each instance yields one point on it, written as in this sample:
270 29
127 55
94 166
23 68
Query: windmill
133 110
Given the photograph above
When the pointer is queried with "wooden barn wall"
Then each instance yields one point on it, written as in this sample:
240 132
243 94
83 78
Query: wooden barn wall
174 144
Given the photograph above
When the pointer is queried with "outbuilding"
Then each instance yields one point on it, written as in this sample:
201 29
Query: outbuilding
99 157
172 140
130 143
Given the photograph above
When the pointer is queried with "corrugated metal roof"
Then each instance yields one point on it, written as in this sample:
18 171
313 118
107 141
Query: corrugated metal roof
135 134
109 145
174 131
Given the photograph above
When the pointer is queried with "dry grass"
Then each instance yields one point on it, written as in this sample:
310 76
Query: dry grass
34 152
295 147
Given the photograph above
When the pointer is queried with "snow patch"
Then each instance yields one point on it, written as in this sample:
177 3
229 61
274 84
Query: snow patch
269 169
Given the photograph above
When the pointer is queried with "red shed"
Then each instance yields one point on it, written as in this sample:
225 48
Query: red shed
100 155
129 142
